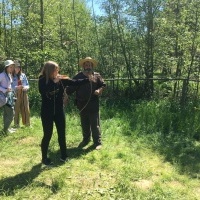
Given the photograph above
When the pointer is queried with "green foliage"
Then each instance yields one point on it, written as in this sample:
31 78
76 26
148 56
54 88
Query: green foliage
34 97
166 117
136 162
127 42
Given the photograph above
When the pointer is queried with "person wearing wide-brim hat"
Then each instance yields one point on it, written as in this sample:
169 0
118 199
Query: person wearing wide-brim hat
6 89
88 59
87 101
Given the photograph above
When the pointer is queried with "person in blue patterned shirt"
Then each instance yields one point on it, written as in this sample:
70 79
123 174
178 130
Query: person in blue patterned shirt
21 86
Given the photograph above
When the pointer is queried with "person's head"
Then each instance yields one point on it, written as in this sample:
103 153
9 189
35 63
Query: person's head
18 69
50 70
88 64
9 66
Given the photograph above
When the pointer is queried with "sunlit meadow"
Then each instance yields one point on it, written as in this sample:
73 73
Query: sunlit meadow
144 156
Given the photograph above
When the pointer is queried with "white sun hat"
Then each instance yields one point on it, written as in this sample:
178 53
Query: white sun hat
8 63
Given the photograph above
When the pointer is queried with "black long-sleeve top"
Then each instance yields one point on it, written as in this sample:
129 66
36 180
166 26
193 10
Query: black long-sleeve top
52 93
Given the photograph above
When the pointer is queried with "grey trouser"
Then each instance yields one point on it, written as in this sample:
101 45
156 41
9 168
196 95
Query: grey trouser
90 126
8 114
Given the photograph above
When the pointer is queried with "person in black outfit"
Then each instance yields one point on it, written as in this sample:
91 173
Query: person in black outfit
51 87
87 101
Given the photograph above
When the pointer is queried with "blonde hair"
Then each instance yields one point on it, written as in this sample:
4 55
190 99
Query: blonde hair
48 70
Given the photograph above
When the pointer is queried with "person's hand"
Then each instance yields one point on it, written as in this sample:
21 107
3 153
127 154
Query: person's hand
9 90
98 92
90 77
62 76
19 87
56 80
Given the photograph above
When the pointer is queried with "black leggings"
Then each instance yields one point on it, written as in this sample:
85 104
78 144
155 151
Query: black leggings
47 123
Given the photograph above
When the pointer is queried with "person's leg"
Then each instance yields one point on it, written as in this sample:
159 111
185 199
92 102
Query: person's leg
17 108
47 124
7 117
60 126
95 127
25 111
86 131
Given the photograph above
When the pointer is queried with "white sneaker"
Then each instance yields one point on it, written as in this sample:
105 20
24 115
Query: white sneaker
11 130
98 147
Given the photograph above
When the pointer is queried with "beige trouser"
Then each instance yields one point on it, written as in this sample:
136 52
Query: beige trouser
22 107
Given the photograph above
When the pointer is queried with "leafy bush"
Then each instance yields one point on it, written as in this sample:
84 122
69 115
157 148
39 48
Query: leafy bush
34 97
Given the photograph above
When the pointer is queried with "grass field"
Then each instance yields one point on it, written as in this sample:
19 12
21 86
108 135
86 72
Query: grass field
132 165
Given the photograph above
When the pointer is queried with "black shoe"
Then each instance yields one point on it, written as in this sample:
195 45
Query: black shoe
83 144
47 162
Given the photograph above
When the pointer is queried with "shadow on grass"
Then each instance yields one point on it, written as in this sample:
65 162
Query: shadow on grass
181 152
78 152
180 149
9 185
73 153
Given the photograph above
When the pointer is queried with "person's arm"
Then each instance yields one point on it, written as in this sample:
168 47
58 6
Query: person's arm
74 82
99 91
25 82
101 85
3 83
14 83
45 89
41 86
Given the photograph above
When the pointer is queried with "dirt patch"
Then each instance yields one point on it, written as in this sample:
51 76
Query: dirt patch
27 140
143 184
175 184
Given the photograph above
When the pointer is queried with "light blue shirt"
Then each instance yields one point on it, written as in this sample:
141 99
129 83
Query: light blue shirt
23 79
5 82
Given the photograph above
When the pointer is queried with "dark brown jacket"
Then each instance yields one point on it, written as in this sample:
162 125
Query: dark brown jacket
86 100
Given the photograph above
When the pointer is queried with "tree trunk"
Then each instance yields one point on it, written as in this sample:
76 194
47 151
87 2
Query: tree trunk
42 29
149 87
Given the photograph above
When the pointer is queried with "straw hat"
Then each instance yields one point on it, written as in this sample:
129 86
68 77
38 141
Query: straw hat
89 59
8 63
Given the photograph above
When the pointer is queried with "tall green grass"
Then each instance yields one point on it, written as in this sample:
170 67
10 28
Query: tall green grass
150 151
